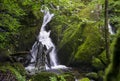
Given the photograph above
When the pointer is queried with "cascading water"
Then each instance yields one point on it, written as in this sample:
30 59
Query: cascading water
44 38
110 29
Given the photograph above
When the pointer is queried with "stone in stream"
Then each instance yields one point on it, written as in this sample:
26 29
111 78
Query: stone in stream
43 58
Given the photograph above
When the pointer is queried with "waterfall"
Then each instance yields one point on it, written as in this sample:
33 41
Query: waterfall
44 36
45 40
110 29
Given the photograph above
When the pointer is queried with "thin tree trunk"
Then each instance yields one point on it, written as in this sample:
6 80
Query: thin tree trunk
107 41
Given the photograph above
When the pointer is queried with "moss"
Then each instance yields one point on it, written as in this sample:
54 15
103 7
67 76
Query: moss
113 71
92 75
97 63
70 43
43 76
47 76
101 75
66 77
85 79
92 45
103 58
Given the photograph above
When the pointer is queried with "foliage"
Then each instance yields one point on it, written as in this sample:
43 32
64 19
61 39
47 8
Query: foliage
112 72
76 28
43 76
92 75
20 68
48 76
84 79
59 78
53 78
114 11
13 71
16 16
65 77
97 63
92 44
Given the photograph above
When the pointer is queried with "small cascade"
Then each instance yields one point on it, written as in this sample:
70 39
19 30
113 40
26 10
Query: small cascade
43 51
110 29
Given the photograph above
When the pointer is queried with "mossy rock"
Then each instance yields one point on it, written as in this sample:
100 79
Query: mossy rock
92 75
43 76
96 62
113 71
85 79
92 45
69 44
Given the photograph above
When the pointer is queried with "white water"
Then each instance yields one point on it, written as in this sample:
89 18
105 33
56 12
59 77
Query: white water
44 38
110 29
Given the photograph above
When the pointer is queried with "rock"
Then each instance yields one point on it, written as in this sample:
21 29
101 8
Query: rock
98 65
92 75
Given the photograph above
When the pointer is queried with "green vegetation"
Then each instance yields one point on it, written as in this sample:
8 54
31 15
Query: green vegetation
47 76
77 29
84 79
15 72
112 72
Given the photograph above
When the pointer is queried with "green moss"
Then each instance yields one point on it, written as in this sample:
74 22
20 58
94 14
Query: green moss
43 76
92 75
69 44
92 45
66 77
47 76
102 56
113 71
85 79
97 63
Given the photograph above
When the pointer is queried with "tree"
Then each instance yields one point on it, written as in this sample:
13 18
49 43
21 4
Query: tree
107 41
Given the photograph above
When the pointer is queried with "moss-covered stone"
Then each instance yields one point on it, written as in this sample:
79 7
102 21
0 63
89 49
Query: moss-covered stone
92 46
92 75
113 71
96 62
84 79
43 76
68 46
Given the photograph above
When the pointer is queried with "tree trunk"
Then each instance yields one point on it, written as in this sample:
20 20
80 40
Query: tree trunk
107 41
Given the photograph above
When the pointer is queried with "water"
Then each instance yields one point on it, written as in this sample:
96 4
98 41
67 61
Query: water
44 38
110 29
